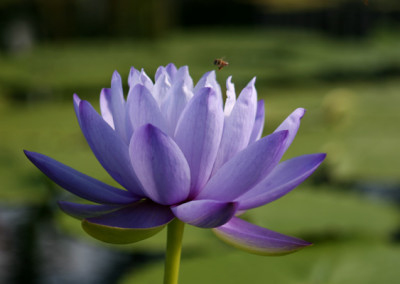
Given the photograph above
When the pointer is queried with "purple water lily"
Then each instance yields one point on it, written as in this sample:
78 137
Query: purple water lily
179 152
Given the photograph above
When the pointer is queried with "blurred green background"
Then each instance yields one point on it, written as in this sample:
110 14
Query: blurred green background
338 59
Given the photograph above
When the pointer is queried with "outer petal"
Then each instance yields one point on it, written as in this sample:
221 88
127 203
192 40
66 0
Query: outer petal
144 109
111 151
246 169
205 213
285 177
82 211
238 126
292 124
198 135
79 183
160 165
258 123
257 240
130 224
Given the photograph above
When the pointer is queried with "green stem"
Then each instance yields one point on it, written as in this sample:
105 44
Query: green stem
174 247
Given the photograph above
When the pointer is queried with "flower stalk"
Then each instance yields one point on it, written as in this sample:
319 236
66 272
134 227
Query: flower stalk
173 253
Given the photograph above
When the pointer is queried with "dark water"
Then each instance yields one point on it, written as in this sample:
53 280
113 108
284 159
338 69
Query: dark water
33 251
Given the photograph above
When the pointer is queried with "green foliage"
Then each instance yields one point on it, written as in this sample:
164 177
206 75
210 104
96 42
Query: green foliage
351 234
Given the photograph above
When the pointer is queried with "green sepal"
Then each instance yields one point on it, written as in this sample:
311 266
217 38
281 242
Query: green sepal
116 235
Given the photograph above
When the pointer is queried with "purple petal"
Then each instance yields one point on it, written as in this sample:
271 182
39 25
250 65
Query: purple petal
112 106
161 88
171 70
198 135
246 169
105 107
145 80
134 77
238 126
111 151
292 124
257 240
143 109
79 183
77 101
82 211
183 75
230 96
143 214
160 165
160 71
285 177
205 213
258 123
209 80
178 97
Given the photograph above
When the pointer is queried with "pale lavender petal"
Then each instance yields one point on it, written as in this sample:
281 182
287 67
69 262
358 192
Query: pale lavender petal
257 240
205 213
292 124
171 70
159 72
238 126
209 80
141 215
105 107
183 75
230 96
198 135
134 78
111 151
246 169
161 88
117 106
143 109
285 177
258 123
82 211
78 183
160 165
77 101
145 80
176 101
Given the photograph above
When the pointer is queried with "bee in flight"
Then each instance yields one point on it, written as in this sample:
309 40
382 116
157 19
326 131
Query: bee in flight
220 63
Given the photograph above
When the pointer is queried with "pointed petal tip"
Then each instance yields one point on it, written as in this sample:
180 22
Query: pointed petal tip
116 75
258 240
76 99
27 153
301 111
170 65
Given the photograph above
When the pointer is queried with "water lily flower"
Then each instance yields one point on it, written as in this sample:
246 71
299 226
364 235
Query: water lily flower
180 153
